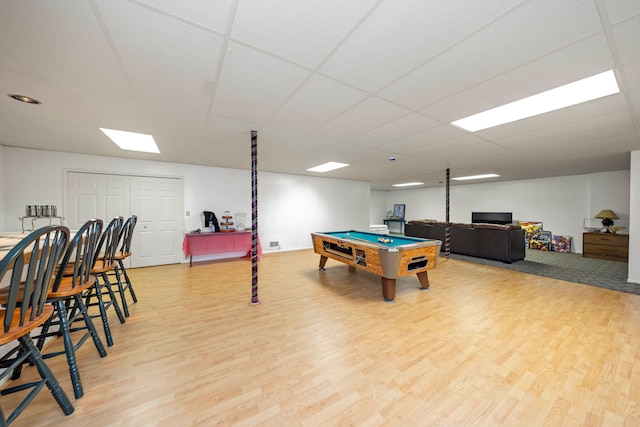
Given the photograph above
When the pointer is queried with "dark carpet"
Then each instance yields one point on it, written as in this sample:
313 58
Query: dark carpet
567 266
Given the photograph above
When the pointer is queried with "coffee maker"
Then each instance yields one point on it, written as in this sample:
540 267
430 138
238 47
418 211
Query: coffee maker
210 220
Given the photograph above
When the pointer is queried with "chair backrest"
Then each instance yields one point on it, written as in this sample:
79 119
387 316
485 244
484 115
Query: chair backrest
78 259
32 262
127 234
108 245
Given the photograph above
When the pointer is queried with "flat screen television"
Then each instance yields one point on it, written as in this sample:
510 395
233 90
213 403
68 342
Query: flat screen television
492 217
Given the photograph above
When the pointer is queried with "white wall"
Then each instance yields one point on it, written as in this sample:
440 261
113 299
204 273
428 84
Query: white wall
561 203
290 206
379 207
634 212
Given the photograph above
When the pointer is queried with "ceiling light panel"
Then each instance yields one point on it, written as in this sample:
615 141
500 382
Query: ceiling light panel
408 184
471 177
584 90
132 141
326 167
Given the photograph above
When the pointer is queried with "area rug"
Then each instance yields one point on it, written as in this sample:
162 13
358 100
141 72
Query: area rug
571 267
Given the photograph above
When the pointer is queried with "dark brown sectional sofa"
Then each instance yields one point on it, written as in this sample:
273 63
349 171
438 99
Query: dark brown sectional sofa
492 241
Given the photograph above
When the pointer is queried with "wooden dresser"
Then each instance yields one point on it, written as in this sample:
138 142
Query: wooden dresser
609 246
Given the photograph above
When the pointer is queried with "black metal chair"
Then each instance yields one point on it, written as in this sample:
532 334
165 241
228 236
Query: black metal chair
101 294
30 267
120 271
72 280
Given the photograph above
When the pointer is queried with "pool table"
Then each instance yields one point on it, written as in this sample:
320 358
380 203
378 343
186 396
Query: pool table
385 255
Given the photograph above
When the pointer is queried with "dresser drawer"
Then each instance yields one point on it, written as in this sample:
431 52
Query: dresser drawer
608 239
614 247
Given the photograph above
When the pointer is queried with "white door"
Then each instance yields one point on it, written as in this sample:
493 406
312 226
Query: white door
92 195
157 238
156 201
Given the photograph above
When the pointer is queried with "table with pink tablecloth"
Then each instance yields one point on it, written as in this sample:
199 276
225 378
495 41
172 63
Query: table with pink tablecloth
217 243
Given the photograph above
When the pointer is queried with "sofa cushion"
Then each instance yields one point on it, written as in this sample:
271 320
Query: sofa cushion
506 227
461 225
422 221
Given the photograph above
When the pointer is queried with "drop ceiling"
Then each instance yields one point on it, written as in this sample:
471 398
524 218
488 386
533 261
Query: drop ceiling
356 82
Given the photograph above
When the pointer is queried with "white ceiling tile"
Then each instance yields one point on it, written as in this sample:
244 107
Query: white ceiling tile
166 60
446 152
55 105
303 31
607 106
619 10
315 103
78 53
228 142
588 57
587 165
371 113
635 99
560 132
104 109
254 85
527 33
175 124
424 139
212 14
627 35
187 151
10 62
275 138
402 127
401 35
54 135
632 75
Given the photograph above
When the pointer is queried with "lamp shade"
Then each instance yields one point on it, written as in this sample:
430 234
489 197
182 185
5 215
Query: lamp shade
607 213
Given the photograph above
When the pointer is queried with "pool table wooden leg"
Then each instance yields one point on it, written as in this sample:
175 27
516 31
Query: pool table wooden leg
424 280
323 261
389 289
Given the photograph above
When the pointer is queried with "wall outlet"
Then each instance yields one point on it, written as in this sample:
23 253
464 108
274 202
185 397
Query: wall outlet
188 213
274 245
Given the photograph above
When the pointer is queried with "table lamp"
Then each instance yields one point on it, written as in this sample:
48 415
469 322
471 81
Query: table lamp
607 216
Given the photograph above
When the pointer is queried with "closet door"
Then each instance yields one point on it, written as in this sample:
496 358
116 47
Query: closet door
157 238
157 202
92 195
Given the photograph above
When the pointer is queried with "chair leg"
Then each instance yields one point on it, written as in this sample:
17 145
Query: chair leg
69 350
90 326
112 295
128 282
46 374
125 306
18 369
103 311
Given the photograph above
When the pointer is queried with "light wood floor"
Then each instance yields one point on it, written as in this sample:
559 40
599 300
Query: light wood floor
484 347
